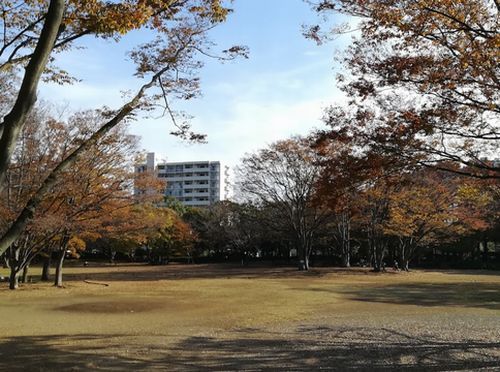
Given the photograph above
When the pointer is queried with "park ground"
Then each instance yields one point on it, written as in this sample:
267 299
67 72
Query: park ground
228 318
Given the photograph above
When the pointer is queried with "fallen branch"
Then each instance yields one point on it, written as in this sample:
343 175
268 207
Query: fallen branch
90 282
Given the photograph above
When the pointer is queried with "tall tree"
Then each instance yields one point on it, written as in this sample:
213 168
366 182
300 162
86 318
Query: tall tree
352 181
283 178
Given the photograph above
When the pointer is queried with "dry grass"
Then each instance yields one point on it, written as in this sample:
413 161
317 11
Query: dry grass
219 317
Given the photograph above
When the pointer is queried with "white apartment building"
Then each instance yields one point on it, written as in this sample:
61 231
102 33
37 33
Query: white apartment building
194 183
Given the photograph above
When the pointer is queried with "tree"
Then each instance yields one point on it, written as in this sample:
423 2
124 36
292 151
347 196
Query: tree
478 209
182 239
422 212
213 227
66 245
97 187
426 72
230 229
375 213
283 178
34 31
244 229
400 206
345 171
32 157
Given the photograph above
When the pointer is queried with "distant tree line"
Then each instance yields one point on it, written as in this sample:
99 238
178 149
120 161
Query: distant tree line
321 201
309 199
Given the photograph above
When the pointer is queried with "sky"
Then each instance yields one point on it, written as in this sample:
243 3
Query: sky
281 90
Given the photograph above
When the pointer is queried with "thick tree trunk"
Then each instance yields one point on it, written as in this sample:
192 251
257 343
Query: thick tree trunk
13 263
14 278
58 282
46 269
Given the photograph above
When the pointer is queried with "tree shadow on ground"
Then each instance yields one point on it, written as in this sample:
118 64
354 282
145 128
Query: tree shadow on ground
202 271
474 272
307 348
480 295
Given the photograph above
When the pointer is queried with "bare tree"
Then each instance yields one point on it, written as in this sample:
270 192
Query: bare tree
283 178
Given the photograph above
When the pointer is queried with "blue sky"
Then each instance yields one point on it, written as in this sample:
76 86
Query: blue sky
278 92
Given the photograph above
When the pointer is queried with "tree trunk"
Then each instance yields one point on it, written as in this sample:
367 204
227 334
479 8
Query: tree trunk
13 122
372 249
404 261
378 255
377 267
13 263
406 265
346 253
46 268
346 259
58 282
24 277
14 278
403 264
345 238
303 259
407 248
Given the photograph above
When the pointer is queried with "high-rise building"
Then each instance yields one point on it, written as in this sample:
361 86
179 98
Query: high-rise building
194 183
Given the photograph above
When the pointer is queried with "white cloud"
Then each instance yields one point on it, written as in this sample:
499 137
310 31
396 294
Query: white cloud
244 113
248 127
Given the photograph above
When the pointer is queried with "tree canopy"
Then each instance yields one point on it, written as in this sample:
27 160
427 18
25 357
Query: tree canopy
423 79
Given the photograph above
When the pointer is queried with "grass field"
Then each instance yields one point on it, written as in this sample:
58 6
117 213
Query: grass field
220 317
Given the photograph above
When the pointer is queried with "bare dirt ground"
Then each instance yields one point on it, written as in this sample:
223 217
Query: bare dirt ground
229 318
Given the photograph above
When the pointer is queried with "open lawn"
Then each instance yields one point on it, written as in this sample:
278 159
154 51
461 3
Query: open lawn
222 317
